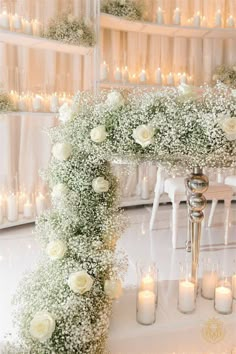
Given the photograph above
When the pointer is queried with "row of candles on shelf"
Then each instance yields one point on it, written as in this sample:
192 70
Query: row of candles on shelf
15 206
123 75
30 102
214 286
197 20
17 23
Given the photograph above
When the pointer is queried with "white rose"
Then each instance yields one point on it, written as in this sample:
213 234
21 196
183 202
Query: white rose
115 99
143 135
113 288
80 282
59 191
62 151
42 326
100 185
233 92
65 112
56 249
98 134
229 127
185 89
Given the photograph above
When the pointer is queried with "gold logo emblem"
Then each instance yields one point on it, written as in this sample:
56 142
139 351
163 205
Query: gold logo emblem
213 330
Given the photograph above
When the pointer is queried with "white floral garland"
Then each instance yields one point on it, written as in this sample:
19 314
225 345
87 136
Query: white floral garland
65 305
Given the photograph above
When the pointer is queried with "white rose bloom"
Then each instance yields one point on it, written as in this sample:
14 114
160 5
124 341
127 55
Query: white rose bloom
62 151
100 185
80 282
185 89
229 127
56 249
59 191
42 326
65 112
98 134
113 288
115 99
233 91
143 135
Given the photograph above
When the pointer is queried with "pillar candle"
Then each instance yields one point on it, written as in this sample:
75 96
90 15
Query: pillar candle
209 282
54 103
17 22
183 79
197 20
218 19
125 74
177 16
36 28
21 103
158 76
145 188
234 286
1 212
186 296
28 210
160 18
170 79
27 27
4 20
40 204
143 76
146 307
230 21
37 103
223 299
118 75
104 71
21 201
12 208
147 283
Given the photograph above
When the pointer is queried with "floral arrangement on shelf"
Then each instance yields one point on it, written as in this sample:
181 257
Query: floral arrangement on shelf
6 104
64 306
71 30
225 74
129 9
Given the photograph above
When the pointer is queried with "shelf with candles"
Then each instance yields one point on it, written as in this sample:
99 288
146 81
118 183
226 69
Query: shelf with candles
21 221
33 114
191 30
35 42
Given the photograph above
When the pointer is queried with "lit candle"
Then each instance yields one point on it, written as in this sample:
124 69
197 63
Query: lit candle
16 22
234 286
183 79
37 103
145 188
223 299
218 18
177 16
209 282
125 74
230 21
186 296
146 307
27 27
28 210
104 71
197 20
190 80
160 18
204 21
143 76
12 207
118 75
170 79
1 210
4 20
158 76
147 283
54 103
40 204
21 103
133 78
21 201
36 28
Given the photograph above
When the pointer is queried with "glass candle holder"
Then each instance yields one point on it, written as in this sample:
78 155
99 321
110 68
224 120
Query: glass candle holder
146 303
209 279
224 296
234 281
187 290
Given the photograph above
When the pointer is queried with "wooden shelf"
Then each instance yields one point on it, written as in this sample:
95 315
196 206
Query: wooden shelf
21 221
120 24
41 43
35 114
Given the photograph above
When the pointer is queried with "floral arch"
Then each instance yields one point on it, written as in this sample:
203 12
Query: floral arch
64 306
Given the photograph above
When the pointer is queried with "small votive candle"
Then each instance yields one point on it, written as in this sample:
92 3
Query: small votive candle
40 204
230 21
118 75
186 302
177 16
143 76
104 71
158 76
197 19
37 103
36 27
125 74
170 79
209 282
146 307
223 300
183 78
218 19
145 188
54 103
160 17
1 211
17 23
12 208
4 20
28 210
27 27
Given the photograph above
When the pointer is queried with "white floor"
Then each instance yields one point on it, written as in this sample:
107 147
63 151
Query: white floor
19 251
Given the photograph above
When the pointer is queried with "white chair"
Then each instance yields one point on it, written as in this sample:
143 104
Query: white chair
175 188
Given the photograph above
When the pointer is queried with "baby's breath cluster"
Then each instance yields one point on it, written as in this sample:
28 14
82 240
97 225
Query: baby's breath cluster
129 9
225 74
70 29
6 104
64 306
